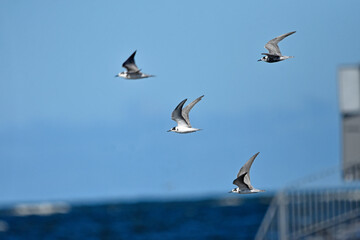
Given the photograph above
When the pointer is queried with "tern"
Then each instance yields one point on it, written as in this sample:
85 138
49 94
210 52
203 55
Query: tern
181 117
274 54
243 179
133 72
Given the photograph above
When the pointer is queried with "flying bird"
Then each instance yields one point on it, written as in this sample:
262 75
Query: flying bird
243 179
181 117
133 72
274 54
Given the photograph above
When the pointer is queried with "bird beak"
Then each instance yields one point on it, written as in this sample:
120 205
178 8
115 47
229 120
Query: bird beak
230 192
168 130
116 75
259 60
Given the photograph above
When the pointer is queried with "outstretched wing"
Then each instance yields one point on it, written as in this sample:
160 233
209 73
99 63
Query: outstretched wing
243 182
272 45
130 65
186 110
246 169
177 116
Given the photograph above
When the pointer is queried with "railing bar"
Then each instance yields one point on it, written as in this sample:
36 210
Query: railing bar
293 214
316 207
299 211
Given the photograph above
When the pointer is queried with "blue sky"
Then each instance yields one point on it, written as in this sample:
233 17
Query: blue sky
69 130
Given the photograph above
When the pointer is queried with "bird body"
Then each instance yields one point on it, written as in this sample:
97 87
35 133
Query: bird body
242 180
181 129
245 191
274 54
273 58
181 117
137 75
133 72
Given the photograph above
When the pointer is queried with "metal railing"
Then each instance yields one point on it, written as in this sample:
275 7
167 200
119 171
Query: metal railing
300 212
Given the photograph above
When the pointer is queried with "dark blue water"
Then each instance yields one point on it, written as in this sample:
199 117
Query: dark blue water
233 218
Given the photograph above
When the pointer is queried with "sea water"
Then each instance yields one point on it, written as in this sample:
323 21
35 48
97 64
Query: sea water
217 218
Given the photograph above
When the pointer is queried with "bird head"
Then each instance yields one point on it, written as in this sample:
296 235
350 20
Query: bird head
172 130
263 59
122 74
233 190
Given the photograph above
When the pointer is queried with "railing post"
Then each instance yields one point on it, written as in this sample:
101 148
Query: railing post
282 216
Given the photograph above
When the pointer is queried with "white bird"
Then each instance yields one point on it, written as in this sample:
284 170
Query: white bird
243 179
274 54
133 72
181 117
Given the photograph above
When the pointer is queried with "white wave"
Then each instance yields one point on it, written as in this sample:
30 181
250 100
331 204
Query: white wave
4 226
42 209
